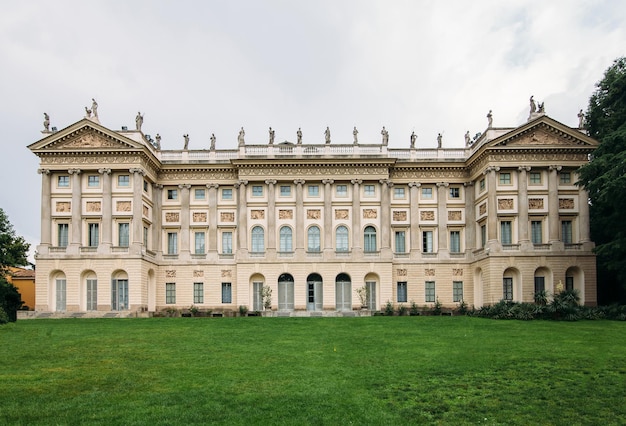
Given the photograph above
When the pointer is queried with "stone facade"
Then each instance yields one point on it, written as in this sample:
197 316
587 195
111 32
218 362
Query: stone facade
127 227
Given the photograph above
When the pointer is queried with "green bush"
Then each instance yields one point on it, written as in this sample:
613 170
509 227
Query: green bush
402 310
4 318
389 308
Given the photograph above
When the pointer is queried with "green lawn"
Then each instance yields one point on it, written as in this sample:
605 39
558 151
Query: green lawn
378 370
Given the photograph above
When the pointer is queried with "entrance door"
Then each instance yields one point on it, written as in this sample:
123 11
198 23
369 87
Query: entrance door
119 295
257 298
61 294
92 294
314 293
371 295
343 293
285 292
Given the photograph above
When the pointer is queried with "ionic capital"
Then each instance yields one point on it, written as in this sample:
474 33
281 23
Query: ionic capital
104 171
328 181
270 181
414 184
74 171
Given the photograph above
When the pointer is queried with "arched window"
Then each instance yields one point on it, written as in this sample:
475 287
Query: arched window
370 239
313 244
286 239
341 239
258 240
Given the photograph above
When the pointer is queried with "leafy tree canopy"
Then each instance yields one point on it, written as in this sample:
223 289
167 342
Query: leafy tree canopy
13 251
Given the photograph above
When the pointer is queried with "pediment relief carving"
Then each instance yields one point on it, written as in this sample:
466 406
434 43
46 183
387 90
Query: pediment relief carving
89 140
541 136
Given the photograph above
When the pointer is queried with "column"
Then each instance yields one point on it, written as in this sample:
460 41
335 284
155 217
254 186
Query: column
328 214
271 216
522 208
583 215
356 215
442 217
385 217
76 239
299 215
470 217
212 243
46 217
157 217
492 212
242 216
553 204
137 231
107 212
185 248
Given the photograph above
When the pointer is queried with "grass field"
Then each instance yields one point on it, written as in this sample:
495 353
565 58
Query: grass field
378 370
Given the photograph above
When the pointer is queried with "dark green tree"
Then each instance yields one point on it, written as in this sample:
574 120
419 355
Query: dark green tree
605 179
13 252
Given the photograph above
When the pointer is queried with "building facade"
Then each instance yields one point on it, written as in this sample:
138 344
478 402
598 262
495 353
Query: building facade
129 228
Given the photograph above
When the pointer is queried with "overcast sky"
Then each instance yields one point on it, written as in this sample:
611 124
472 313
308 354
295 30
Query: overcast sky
202 67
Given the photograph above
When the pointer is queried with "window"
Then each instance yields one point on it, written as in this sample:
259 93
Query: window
402 297
483 235
427 193
200 194
400 242
170 293
536 232
455 192
455 241
569 282
119 294
342 190
565 178
369 190
227 242
63 182
93 181
457 291
227 290
285 236
93 234
199 242
145 236
123 234
314 190
62 237
227 194
123 180
540 284
198 292
145 185
535 178
92 295
370 239
505 232
172 194
566 231
481 185
257 191
398 193
341 236
427 241
285 191
172 243
258 240
507 288
313 239
505 178
429 291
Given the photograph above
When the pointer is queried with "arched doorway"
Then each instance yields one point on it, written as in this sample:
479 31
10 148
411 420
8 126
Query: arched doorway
574 280
285 292
343 292
119 291
89 291
314 295
58 287
371 283
257 281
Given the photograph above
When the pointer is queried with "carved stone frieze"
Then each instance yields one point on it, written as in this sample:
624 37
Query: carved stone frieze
535 203
482 209
285 214
341 214
198 273
170 273
429 272
227 273
370 214
313 214
199 216
457 272
146 211
420 174
505 204
257 214
427 215
401 272
172 217
123 206
64 207
93 206
90 140
566 203
193 175
321 170
455 215
227 217
399 215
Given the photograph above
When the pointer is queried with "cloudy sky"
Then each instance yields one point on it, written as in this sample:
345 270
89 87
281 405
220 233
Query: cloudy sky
202 67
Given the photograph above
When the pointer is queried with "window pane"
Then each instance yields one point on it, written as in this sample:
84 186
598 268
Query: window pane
540 284
398 193
123 180
63 181
257 191
94 235
123 237
198 293
226 293
505 232
200 194
285 239
93 181
369 190
457 291
566 231
429 291
400 242
285 190
370 239
342 239
507 288
172 194
342 190
227 242
258 239
402 296
172 243
536 232
314 190
170 293
199 236
455 241
314 239
427 241
427 193
63 230
227 194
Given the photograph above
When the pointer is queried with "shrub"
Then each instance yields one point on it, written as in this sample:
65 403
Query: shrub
243 310
437 307
402 310
462 308
389 308
4 318
414 311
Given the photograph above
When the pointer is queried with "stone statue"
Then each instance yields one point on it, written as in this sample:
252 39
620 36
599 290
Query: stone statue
240 138
94 107
87 112
439 140
541 109
385 134
489 119
355 134
272 133
138 121
413 139
46 121
158 141
299 136
212 141
533 106
467 138
327 134
581 120
186 137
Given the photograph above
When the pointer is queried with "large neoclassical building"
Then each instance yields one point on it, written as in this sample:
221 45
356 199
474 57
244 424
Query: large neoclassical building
128 228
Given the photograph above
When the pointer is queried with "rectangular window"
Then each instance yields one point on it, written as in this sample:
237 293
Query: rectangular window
123 180
505 232
369 190
342 190
535 178
314 190
566 231
198 292
565 178
227 242
145 236
536 233
257 191
227 290
172 194
398 193
457 291
170 293
199 242
455 192
483 235
505 178
285 191
123 234
93 181
455 241
227 194
92 295
402 296
507 288
429 291
200 194
400 242
172 243
63 233
427 241
481 185
145 185
93 236
569 283
427 193
540 284
63 182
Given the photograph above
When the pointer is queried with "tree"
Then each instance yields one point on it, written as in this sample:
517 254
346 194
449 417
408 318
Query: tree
13 250
604 177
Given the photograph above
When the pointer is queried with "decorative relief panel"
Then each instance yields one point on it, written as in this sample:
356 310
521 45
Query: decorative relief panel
172 217
227 273
566 203
90 140
427 215
455 215
399 215
198 273
64 207
285 214
457 272
313 214
315 171
535 203
199 216
93 206
170 273
123 206
482 209
429 272
401 272
341 214
505 204
257 214
145 211
227 217
369 214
